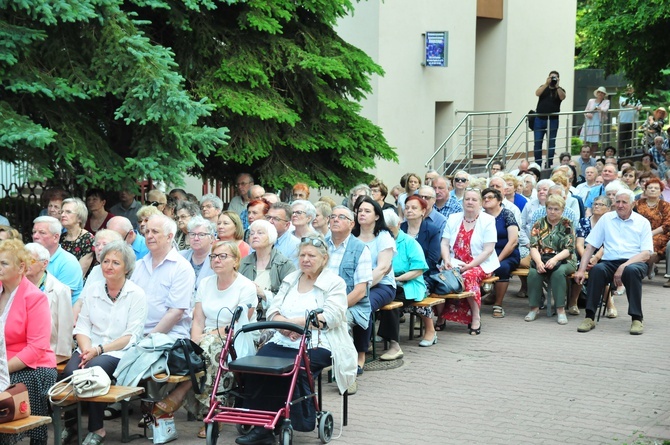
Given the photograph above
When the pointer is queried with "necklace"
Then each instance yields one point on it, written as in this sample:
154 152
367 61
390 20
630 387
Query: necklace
470 221
651 206
117 295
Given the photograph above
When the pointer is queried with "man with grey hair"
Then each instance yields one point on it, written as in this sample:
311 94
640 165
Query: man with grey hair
279 216
445 203
428 194
63 265
243 184
429 176
623 263
350 258
167 279
211 207
582 190
123 227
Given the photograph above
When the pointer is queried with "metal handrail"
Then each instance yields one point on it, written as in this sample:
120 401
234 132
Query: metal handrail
458 127
505 142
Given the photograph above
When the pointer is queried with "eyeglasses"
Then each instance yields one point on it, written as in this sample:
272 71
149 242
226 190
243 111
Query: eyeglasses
182 217
240 184
426 197
489 197
125 238
340 217
599 204
198 234
274 219
206 206
316 242
460 180
299 212
220 256
473 189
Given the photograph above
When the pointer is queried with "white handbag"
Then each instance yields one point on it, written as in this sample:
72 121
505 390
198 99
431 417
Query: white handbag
84 383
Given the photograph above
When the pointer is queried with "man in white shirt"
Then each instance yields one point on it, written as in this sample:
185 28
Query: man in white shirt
167 279
583 189
624 260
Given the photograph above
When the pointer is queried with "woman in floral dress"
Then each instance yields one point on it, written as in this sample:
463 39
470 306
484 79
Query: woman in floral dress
468 242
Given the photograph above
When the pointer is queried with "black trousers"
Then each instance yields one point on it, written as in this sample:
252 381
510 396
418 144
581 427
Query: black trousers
601 275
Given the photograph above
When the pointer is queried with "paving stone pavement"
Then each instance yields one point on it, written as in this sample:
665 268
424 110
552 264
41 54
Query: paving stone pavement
516 383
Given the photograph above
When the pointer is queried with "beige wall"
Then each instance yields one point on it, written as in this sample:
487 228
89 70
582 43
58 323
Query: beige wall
492 65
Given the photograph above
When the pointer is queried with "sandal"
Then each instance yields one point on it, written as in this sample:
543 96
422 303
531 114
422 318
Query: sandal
202 434
113 411
93 439
166 406
441 327
498 312
475 331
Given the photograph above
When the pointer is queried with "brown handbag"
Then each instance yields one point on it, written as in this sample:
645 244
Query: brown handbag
14 403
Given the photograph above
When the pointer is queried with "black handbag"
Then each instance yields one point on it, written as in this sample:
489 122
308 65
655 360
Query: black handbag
447 281
531 120
186 358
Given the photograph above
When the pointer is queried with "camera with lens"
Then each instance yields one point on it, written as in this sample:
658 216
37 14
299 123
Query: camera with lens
554 80
655 125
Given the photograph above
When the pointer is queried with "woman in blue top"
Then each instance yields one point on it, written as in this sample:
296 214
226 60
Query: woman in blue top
371 229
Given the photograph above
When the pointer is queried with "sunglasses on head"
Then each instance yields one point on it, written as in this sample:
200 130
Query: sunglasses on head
316 242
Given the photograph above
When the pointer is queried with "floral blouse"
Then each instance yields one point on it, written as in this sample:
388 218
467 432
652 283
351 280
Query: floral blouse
548 239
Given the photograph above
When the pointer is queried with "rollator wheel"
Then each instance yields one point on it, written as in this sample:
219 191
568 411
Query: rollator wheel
212 430
286 436
326 426
243 430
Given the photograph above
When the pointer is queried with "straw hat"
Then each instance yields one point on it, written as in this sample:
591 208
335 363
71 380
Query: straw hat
601 90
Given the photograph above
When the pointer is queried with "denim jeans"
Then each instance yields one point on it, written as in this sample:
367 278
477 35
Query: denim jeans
540 131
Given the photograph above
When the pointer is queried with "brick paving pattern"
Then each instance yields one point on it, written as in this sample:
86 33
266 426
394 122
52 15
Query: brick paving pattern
516 383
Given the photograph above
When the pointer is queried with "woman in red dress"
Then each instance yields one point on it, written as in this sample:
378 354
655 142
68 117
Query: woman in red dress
468 242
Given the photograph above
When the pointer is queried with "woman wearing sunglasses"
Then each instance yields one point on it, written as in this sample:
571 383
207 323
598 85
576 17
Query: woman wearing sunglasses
216 299
461 182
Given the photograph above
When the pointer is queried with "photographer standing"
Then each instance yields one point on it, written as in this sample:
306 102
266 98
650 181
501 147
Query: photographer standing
653 127
550 95
627 118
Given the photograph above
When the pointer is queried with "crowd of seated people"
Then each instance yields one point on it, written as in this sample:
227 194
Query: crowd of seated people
170 266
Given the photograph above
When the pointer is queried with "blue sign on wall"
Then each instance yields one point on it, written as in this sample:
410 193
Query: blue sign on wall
436 48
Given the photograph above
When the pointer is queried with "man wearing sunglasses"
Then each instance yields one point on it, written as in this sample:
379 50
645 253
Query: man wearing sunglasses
350 258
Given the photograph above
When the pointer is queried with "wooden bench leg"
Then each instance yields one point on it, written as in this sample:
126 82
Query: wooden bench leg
59 427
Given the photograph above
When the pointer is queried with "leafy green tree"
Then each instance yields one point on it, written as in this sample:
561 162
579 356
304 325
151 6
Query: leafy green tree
114 90
625 36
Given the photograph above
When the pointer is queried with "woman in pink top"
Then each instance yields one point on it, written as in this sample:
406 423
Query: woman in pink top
24 310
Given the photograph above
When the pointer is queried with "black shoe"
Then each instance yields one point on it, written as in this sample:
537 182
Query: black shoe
257 436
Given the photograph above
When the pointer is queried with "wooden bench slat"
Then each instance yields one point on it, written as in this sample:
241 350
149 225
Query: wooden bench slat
115 394
490 280
454 296
23 425
177 378
392 305
429 302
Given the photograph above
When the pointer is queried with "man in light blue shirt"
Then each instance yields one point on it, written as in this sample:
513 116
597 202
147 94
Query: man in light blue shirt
123 226
279 216
63 265
623 262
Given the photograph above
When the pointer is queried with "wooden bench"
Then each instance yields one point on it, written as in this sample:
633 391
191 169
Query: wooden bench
60 367
426 302
116 394
175 379
550 305
23 425
389 307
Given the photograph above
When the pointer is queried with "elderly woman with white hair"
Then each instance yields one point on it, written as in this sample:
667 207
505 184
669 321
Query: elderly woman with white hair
60 301
321 223
303 213
360 190
201 235
111 320
211 207
77 240
612 189
265 266
461 181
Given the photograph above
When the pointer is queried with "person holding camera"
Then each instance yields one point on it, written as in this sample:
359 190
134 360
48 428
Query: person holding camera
550 95
595 114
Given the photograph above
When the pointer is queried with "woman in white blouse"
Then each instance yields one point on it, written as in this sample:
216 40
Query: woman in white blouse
111 319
